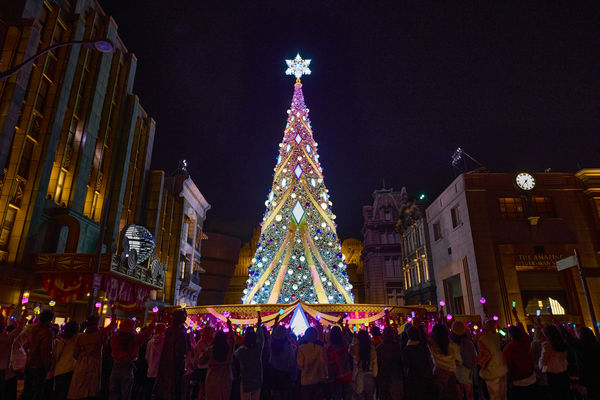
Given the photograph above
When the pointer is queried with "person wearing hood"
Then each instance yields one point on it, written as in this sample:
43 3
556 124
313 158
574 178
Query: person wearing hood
153 351
493 369
125 346
87 373
464 371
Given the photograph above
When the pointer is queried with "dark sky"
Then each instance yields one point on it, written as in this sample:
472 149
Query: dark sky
395 90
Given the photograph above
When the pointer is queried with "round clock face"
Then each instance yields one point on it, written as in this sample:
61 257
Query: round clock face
525 181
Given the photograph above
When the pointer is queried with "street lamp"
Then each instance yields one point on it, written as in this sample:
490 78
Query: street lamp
102 45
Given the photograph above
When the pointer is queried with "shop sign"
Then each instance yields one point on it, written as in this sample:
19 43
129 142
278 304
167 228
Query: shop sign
537 262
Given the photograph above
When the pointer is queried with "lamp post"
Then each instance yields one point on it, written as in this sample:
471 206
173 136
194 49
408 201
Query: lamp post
102 45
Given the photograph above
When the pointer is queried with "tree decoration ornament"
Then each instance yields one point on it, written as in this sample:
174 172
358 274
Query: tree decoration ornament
297 255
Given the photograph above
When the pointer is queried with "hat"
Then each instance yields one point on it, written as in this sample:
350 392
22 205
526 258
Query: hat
458 328
127 325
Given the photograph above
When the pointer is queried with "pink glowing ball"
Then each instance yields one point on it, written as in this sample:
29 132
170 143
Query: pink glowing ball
154 309
495 318
449 317
482 300
98 305
442 303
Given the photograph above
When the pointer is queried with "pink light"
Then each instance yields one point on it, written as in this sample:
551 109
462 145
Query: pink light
25 300
495 318
226 314
409 319
442 303
98 304
154 309
449 317
482 300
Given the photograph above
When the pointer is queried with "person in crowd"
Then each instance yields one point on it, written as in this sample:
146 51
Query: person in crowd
64 361
493 370
172 359
589 354
536 352
219 375
311 362
39 357
282 359
468 354
202 355
153 352
125 345
249 357
7 338
519 362
376 337
419 383
553 361
339 366
390 375
87 373
365 364
446 357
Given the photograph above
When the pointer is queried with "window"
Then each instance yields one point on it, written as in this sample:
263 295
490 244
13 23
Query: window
391 238
397 267
437 231
387 216
394 296
543 207
383 238
511 207
389 267
7 225
455 212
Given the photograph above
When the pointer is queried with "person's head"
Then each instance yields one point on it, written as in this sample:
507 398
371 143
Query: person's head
208 334
91 323
458 328
279 332
439 333
159 328
490 325
375 331
553 335
413 334
310 336
586 336
70 329
389 334
515 332
335 336
127 326
179 317
46 317
249 337
220 348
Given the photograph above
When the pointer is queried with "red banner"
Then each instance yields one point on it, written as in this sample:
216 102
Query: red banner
127 296
66 288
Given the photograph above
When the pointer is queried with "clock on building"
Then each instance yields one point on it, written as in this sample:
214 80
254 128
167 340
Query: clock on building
525 181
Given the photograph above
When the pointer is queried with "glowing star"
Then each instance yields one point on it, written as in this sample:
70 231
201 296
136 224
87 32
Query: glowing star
297 67
298 138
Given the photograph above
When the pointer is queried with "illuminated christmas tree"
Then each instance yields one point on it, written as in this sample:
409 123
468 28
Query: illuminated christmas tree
298 255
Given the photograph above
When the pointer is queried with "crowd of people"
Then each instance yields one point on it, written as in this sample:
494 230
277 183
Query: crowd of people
170 361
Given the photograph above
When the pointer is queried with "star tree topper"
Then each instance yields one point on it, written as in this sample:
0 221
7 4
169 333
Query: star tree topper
298 67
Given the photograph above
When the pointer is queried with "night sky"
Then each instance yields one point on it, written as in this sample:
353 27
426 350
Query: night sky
394 90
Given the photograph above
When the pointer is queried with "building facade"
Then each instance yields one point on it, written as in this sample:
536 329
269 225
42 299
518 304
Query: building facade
490 238
382 254
175 213
220 254
419 280
352 251
237 283
75 152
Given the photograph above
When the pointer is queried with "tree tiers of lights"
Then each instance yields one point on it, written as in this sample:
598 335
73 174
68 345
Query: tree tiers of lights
298 256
